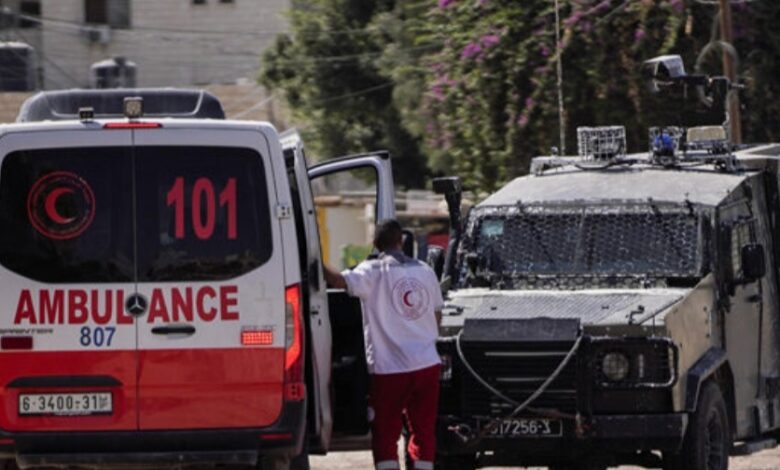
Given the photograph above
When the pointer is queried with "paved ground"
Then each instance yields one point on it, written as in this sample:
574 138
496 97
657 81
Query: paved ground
767 460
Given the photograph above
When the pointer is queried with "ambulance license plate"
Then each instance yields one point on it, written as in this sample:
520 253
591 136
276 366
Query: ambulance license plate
86 403
526 427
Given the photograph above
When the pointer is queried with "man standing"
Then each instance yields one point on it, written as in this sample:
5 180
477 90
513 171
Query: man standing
402 305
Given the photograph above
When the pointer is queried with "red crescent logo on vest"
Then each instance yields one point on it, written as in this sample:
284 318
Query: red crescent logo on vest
410 298
61 205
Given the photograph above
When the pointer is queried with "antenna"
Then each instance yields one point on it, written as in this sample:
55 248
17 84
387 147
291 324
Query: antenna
559 67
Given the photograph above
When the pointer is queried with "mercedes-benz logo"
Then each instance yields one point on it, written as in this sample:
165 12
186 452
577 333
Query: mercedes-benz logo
136 304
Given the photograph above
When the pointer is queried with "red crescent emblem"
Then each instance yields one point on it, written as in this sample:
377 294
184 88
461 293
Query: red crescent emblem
410 299
406 298
51 206
56 217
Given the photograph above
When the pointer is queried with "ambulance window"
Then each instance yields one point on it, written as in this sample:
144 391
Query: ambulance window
346 212
66 214
203 213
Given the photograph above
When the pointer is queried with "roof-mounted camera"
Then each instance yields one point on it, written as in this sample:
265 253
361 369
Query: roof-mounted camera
663 71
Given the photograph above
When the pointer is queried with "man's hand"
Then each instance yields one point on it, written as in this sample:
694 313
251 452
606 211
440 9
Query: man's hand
333 278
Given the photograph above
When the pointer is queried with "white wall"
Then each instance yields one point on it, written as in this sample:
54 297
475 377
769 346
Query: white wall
165 57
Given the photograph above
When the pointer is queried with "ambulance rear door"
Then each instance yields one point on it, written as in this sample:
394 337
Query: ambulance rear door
212 272
67 345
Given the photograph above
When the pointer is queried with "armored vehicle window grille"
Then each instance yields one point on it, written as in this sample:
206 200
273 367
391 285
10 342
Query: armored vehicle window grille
526 243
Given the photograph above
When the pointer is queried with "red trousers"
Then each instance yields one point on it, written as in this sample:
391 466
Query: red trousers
413 395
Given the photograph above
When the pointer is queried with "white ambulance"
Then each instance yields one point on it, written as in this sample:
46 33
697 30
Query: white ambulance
164 300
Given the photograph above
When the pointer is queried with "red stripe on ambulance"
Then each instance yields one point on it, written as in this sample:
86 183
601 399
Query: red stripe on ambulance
101 307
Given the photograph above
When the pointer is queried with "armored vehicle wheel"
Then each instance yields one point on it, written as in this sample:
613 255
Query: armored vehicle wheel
708 439
455 462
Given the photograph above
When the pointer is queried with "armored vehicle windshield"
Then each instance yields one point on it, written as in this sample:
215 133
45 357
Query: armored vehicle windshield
638 227
603 244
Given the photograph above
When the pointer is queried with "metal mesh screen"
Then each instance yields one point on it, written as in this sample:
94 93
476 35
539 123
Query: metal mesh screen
601 143
587 241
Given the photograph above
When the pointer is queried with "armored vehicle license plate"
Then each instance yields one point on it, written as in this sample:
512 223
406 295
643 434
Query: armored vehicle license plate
87 403
526 427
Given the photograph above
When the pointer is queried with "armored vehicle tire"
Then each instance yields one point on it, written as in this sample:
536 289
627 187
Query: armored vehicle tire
455 462
708 440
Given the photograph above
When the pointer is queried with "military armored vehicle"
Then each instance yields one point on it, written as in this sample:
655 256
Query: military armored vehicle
615 308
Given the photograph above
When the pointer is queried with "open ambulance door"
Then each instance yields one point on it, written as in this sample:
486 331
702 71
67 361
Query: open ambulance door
349 372
319 415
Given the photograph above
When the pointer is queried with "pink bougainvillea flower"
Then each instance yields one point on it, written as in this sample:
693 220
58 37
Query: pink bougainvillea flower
445 3
573 19
471 50
437 93
523 120
489 40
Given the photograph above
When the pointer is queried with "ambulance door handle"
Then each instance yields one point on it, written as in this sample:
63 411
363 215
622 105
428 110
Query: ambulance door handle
174 330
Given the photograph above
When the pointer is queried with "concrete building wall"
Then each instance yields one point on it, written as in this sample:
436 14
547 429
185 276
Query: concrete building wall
19 30
173 42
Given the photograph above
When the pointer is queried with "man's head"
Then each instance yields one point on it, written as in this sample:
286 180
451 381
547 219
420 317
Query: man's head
388 235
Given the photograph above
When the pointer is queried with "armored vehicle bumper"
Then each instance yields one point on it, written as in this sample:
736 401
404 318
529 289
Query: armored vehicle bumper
609 438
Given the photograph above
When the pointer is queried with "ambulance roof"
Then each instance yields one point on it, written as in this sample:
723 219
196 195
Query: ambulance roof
158 102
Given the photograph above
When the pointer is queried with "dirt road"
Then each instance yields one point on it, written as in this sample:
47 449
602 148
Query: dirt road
767 460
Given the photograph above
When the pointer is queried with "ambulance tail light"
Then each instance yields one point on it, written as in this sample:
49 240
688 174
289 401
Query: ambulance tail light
257 337
294 386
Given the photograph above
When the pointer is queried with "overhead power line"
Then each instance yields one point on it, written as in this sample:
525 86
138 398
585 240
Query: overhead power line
304 60
353 94
48 60
76 24
254 107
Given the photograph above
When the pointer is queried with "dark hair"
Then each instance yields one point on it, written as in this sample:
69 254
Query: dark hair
388 234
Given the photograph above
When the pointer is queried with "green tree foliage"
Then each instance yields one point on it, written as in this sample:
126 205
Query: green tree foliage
474 81
491 104
337 71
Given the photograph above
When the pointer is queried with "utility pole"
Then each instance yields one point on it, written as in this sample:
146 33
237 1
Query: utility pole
730 71
559 73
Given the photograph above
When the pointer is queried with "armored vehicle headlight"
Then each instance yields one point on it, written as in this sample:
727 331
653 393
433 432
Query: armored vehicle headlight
615 366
